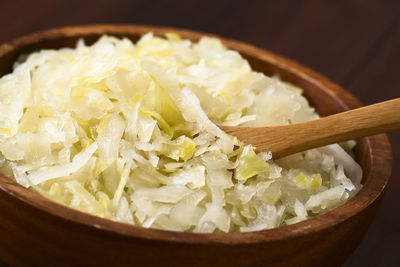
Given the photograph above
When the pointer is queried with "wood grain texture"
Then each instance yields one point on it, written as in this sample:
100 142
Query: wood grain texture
32 226
293 138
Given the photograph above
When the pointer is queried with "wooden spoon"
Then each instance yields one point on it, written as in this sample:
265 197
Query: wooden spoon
289 139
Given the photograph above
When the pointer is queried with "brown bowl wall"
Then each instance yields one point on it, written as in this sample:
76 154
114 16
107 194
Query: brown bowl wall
37 231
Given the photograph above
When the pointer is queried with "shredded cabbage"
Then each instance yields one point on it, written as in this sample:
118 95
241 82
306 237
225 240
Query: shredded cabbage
129 132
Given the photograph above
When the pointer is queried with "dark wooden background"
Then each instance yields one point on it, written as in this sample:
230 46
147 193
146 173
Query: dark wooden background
354 43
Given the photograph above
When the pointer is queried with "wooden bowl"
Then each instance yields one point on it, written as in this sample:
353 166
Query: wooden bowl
37 231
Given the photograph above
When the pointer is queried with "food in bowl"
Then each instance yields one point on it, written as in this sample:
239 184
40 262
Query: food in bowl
129 132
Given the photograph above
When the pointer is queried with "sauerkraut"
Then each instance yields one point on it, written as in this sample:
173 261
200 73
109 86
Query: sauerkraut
129 132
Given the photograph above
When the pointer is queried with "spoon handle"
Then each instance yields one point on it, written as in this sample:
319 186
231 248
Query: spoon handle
288 139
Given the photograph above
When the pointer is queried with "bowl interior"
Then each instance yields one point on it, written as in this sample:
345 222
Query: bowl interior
325 96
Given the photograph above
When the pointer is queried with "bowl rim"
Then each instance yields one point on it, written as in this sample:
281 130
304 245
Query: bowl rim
379 152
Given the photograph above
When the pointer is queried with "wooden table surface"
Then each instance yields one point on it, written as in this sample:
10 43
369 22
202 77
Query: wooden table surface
354 43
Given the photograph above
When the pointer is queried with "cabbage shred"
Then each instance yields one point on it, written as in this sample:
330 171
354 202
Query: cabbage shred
128 132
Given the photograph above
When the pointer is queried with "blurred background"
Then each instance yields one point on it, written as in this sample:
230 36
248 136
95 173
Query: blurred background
354 43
